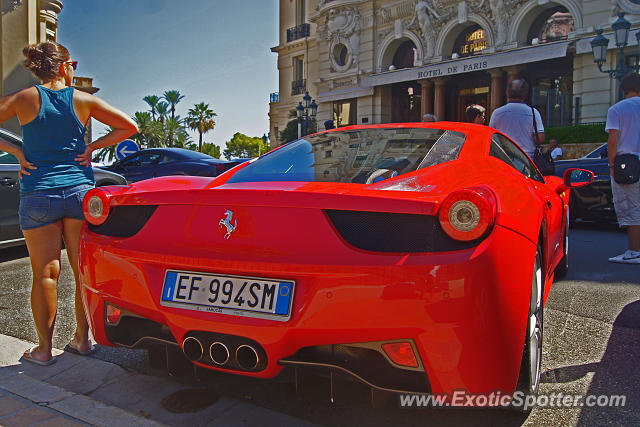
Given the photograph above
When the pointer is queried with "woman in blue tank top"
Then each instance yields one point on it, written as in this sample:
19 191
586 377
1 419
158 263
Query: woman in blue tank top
55 174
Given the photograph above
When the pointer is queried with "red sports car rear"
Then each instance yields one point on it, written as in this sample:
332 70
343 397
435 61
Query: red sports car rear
415 257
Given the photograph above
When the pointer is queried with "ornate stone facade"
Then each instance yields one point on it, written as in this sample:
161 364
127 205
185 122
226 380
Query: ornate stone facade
368 51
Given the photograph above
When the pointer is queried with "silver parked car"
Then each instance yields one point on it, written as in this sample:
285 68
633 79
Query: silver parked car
10 234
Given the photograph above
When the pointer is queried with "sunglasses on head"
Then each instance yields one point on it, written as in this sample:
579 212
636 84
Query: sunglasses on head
74 64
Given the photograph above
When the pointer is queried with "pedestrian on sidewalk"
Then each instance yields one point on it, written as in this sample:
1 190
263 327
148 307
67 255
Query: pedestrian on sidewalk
475 114
555 150
516 119
623 125
55 173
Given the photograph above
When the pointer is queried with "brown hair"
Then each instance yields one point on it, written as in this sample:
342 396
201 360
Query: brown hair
630 83
44 59
518 89
473 111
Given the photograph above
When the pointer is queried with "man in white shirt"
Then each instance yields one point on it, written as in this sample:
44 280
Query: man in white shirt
623 125
515 119
556 152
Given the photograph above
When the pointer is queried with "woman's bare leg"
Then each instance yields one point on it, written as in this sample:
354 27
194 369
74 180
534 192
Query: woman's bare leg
44 245
71 232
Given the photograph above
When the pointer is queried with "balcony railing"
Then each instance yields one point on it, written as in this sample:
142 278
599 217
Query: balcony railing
274 97
298 87
295 33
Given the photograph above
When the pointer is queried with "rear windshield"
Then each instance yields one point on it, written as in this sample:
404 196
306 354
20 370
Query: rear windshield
362 156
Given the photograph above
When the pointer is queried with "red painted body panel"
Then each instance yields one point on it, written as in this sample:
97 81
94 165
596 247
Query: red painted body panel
456 306
466 310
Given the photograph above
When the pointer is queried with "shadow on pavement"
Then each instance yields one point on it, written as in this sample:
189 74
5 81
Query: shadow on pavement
353 403
16 252
616 374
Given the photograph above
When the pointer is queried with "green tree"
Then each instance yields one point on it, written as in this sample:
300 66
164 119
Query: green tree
152 101
200 118
290 132
211 149
172 97
176 133
241 145
162 108
144 122
105 153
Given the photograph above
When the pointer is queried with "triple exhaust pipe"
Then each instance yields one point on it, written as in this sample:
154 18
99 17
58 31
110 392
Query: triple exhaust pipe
245 356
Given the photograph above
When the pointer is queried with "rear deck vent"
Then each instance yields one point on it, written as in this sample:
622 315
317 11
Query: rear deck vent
124 221
394 232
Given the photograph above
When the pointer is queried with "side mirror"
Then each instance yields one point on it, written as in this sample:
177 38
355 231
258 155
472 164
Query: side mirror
574 177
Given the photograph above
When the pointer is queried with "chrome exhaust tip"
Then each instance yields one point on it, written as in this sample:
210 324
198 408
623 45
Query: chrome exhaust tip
192 348
247 357
219 353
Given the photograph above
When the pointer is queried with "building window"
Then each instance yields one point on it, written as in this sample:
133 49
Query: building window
298 84
472 41
551 25
300 11
406 55
340 54
633 60
344 112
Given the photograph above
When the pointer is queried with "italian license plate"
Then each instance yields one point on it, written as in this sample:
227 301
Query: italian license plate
234 295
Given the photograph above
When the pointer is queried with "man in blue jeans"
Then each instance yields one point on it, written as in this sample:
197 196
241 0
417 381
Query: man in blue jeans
623 125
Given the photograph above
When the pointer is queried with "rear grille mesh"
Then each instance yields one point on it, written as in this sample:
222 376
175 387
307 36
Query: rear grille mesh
393 232
124 221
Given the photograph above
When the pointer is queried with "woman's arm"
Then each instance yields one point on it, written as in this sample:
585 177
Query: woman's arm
8 111
123 127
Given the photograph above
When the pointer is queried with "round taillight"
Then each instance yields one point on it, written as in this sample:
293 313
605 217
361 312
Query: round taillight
468 214
96 206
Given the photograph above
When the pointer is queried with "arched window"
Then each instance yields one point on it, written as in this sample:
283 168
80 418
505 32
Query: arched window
471 41
405 56
551 25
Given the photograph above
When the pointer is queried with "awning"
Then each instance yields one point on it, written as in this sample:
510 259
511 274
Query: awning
466 65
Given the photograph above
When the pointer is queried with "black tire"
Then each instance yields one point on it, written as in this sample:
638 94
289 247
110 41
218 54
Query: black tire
563 266
531 367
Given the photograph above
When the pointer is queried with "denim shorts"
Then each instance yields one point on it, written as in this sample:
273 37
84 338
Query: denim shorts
43 207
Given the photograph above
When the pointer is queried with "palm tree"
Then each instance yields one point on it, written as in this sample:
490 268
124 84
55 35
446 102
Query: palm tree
172 97
152 101
144 121
106 153
172 128
200 118
162 109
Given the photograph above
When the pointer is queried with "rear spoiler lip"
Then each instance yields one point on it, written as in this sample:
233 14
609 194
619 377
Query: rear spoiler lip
365 200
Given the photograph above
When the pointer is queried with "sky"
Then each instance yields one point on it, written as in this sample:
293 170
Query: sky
212 51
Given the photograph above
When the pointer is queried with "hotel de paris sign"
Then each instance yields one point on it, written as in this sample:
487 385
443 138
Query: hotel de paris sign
460 66
471 64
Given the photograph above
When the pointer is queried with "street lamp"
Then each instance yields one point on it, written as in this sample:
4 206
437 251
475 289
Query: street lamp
304 112
265 139
600 43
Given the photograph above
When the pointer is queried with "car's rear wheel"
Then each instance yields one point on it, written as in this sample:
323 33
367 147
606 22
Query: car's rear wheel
531 367
563 266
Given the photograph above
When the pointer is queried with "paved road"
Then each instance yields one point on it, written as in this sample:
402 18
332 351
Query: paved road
592 345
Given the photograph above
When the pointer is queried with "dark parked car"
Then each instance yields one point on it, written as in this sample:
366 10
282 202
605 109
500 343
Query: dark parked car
595 201
10 234
154 162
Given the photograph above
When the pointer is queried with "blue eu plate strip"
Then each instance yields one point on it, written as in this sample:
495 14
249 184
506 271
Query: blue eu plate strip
169 286
284 296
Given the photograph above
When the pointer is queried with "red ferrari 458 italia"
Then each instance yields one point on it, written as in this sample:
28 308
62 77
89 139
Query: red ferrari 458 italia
415 257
